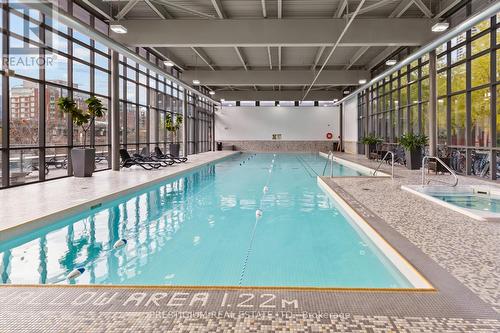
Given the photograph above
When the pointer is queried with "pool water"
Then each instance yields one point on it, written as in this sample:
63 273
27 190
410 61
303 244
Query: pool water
201 229
471 201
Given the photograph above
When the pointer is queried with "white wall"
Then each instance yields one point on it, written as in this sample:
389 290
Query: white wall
260 123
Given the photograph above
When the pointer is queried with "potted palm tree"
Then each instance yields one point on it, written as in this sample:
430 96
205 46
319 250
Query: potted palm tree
413 145
82 158
173 127
370 141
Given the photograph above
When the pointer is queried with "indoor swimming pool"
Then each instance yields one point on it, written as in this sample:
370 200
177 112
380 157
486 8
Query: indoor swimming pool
247 220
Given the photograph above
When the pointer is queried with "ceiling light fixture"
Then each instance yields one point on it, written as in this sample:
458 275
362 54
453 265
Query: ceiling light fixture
196 82
440 26
346 92
362 81
335 100
118 28
391 62
168 63
211 92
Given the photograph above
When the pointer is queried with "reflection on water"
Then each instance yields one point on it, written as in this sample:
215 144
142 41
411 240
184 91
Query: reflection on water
147 222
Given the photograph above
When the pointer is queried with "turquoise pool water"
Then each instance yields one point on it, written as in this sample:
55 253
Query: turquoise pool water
201 229
471 201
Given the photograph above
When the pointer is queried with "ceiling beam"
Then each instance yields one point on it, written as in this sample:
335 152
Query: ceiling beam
447 7
264 10
160 10
401 8
270 57
356 56
99 7
130 4
283 95
381 56
275 32
274 78
340 9
374 6
420 4
218 8
317 57
239 52
280 9
203 56
184 9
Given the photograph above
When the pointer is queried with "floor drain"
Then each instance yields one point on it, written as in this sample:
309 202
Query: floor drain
84 188
365 189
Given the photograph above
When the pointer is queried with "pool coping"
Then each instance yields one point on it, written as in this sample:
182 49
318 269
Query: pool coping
52 217
472 213
366 171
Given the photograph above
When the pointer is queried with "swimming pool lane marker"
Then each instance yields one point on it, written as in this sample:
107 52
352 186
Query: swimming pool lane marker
258 216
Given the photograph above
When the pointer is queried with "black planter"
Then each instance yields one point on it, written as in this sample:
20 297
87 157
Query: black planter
370 149
83 161
413 159
174 148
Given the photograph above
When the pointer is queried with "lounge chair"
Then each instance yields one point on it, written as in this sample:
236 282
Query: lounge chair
158 153
128 161
144 156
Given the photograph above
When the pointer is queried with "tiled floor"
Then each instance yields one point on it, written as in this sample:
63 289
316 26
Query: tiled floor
457 254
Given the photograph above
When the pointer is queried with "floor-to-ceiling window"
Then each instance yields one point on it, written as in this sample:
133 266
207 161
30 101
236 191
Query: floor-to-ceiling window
468 83
44 60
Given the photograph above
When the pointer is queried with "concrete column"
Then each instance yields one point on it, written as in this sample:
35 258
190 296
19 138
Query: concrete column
214 148
432 109
115 113
185 124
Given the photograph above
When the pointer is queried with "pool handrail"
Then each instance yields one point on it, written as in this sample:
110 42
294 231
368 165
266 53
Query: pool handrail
450 170
329 159
383 159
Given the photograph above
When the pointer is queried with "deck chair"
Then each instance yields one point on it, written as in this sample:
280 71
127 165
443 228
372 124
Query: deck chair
158 153
129 161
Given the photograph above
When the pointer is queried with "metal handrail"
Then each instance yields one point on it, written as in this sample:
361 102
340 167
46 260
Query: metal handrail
383 159
330 153
450 170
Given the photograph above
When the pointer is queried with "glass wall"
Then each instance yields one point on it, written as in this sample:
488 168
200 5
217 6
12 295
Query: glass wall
44 60
468 77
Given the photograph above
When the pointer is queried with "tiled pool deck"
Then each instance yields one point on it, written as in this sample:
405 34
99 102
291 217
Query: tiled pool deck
458 255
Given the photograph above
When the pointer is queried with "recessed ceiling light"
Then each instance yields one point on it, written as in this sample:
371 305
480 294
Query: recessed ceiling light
168 63
362 81
440 26
391 62
211 92
118 28
346 92
196 82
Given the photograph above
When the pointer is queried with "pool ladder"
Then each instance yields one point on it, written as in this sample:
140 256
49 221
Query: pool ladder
382 160
450 170
329 159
